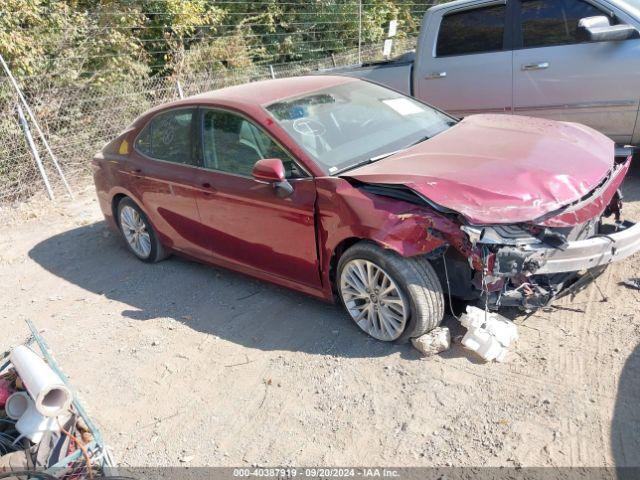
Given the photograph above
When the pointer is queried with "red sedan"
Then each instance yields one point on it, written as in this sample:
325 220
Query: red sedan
347 190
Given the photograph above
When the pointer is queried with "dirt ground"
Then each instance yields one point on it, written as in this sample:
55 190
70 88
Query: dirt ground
181 364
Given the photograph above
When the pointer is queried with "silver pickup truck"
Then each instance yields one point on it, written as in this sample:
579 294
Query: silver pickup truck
570 60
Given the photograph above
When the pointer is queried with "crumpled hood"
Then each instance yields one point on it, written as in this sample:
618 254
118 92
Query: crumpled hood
500 168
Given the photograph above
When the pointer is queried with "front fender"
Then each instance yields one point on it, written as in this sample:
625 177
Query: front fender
347 212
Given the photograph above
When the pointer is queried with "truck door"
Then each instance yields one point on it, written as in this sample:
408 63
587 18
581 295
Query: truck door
465 63
557 76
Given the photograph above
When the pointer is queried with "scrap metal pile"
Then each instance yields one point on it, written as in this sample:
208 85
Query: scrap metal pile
43 427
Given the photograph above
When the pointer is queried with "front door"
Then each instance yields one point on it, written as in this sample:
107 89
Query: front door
247 223
558 77
469 69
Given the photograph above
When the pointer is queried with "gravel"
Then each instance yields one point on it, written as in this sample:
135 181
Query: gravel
182 363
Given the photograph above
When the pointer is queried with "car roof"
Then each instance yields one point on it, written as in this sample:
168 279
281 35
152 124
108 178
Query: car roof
268 91
257 94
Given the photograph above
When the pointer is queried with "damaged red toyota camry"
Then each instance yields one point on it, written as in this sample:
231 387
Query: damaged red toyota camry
349 191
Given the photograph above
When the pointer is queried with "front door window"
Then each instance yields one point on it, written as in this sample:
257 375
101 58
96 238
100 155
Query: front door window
233 144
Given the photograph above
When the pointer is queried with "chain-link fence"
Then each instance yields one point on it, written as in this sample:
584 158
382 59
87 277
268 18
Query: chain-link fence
78 121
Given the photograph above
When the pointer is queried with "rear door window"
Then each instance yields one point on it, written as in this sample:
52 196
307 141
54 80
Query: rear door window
554 22
169 137
472 31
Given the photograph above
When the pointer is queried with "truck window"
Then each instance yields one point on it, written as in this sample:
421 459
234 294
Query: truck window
553 22
472 31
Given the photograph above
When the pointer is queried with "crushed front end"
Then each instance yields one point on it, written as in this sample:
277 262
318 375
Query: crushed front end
485 247
530 265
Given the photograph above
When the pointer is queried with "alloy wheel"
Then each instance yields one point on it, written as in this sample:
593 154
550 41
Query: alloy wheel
135 231
373 300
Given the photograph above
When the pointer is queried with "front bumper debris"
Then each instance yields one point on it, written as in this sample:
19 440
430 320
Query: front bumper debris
602 249
539 291
533 275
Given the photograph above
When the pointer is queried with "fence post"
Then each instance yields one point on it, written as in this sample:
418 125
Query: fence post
35 122
360 32
272 72
179 88
34 151
388 43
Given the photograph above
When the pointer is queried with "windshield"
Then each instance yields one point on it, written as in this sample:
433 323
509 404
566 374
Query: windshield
356 122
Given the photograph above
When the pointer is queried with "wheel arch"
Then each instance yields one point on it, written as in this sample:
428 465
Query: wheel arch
339 250
157 251
413 275
115 201
117 196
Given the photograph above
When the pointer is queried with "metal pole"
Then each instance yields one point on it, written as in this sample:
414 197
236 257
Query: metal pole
271 71
35 122
34 150
179 87
360 32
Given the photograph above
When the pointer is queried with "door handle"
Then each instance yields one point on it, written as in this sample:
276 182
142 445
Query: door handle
208 187
436 75
536 66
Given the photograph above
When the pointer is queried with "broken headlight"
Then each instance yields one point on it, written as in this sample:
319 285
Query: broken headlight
500 235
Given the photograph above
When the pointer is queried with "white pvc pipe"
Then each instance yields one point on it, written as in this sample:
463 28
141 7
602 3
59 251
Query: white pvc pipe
17 404
34 425
49 393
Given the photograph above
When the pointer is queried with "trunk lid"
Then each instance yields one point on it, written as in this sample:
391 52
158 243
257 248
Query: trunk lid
497 169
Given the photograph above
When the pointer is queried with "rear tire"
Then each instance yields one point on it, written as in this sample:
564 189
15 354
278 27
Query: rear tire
138 233
416 285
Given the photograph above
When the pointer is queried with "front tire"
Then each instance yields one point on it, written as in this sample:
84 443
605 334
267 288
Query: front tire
390 297
138 233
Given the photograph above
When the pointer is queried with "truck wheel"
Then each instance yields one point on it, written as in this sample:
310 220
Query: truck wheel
138 232
390 297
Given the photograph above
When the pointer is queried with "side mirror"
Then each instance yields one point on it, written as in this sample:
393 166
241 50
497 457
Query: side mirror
271 170
599 29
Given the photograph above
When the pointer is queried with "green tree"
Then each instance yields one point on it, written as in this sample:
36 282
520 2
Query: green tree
68 42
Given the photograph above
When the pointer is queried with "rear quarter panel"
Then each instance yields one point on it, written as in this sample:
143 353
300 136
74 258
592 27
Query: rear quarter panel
110 182
111 178
103 181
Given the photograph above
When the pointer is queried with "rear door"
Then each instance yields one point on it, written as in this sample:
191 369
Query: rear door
162 174
468 68
247 223
558 77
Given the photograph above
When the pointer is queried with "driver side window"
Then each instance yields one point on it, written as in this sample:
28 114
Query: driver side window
232 144
554 22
